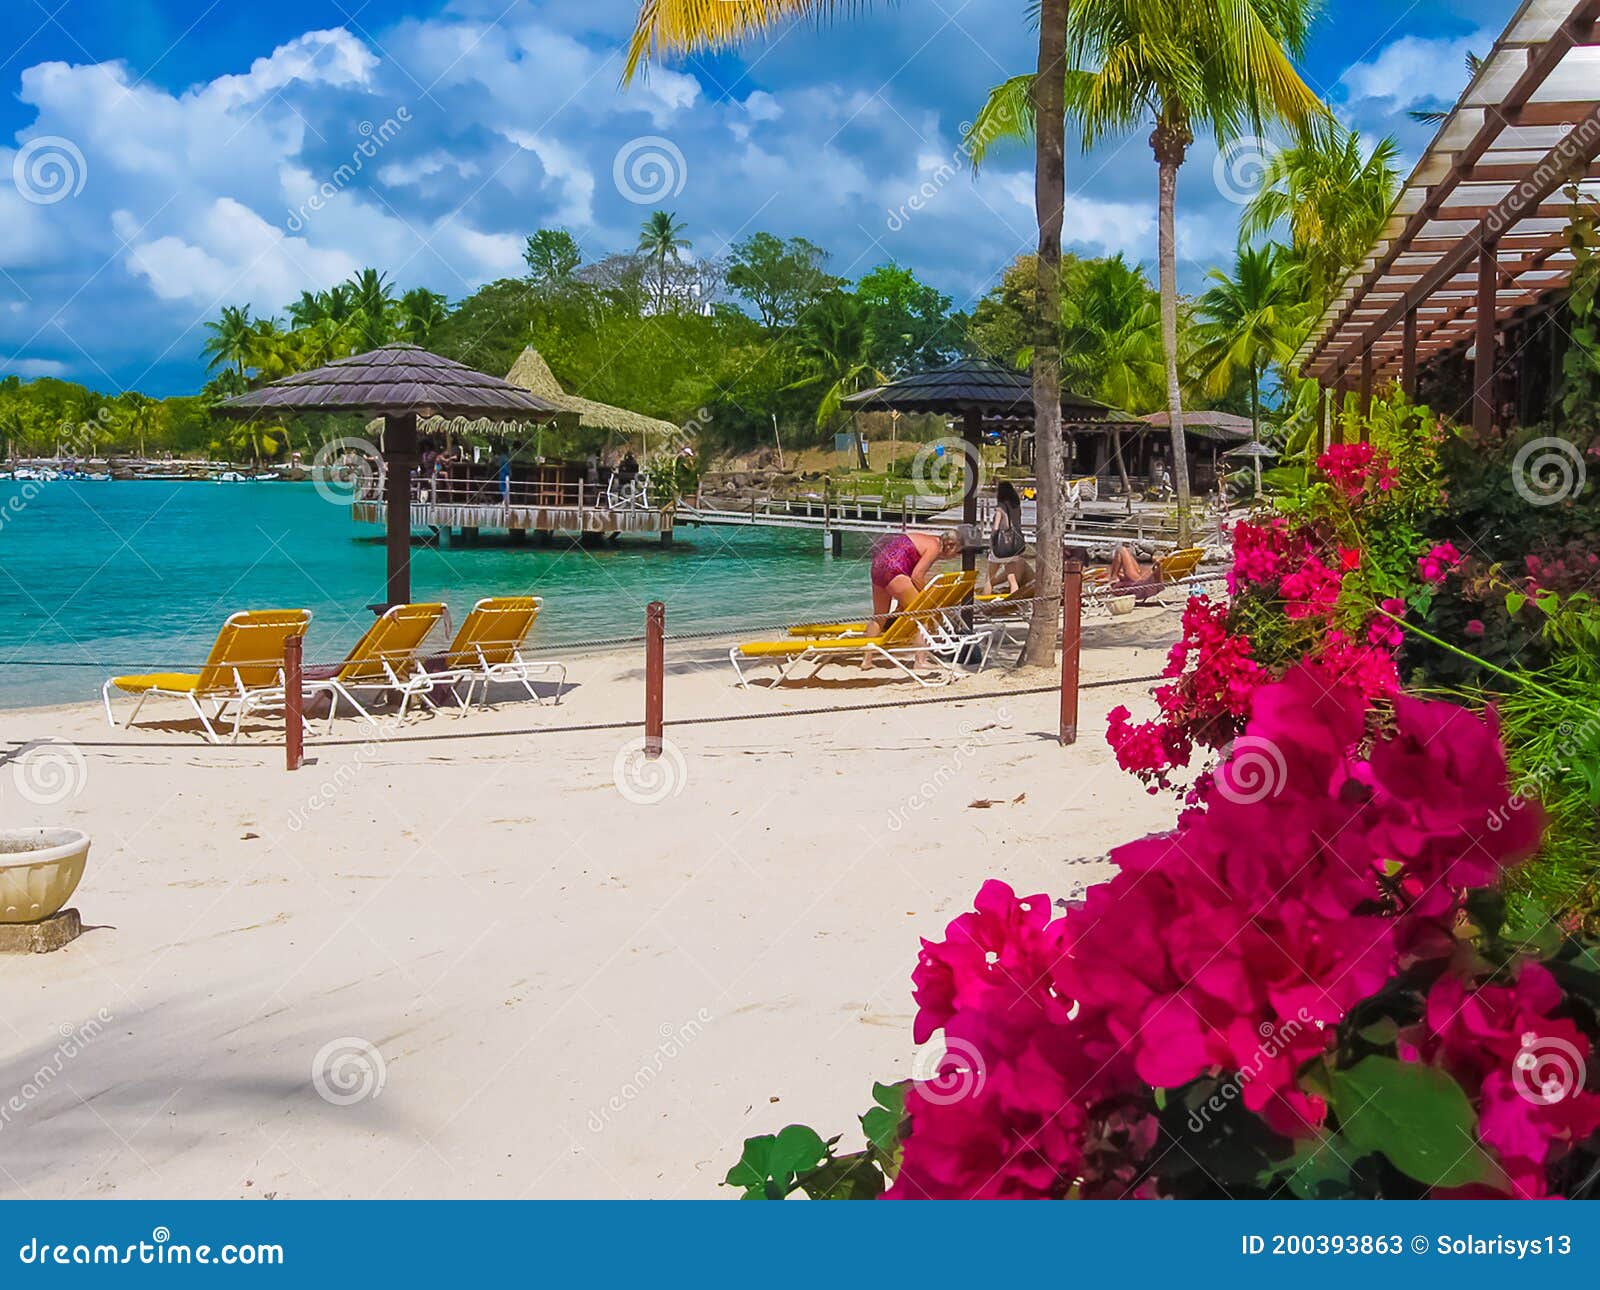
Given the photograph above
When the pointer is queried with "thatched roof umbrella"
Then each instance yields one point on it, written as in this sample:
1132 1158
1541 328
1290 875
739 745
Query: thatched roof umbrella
398 383
982 394
533 374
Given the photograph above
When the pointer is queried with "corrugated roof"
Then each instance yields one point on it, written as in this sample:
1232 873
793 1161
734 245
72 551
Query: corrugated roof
395 379
1223 427
1527 125
998 392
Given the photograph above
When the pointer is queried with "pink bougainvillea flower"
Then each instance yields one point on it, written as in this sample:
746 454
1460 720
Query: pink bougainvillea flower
1474 627
1437 565
1232 946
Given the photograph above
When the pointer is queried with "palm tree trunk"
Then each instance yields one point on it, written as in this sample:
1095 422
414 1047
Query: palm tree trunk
1049 198
1171 144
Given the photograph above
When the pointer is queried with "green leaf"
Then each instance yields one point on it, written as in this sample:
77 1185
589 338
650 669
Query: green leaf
855 1177
1417 1116
882 1123
1318 1169
1514 602
769 1164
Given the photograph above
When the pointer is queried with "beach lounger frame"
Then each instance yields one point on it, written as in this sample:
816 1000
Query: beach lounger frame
384 661
244 672
488 651
931 627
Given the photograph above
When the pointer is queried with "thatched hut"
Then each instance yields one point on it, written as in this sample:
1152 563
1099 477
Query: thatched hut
533 374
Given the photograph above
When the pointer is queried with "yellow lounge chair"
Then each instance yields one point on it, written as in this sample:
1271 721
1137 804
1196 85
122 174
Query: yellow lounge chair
244 670
928 626
488 649
939 580
384 661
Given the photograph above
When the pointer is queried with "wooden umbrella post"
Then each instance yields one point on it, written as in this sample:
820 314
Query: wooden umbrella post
293 702
1071 648
399 456
655 631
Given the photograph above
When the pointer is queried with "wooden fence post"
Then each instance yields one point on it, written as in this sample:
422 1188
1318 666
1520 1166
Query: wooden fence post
1071 646
655 630
293 702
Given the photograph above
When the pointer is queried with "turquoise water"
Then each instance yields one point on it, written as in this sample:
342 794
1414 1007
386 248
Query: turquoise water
139 576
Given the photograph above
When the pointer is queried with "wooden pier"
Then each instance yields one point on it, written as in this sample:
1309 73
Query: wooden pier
473 507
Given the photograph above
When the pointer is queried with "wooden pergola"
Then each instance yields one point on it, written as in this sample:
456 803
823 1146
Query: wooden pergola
1478 235
982 395
398 383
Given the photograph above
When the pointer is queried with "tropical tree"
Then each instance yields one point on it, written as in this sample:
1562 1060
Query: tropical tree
780 279
372 303
553 257
229 345
835 336
1249 321
1219 65
1331 195
422 313
682 26
661 242
1111 334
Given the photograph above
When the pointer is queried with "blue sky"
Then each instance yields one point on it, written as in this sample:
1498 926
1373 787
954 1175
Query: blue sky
159 160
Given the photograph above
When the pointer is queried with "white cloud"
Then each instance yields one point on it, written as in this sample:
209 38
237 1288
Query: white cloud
564 168
400 174
32 368
1416 69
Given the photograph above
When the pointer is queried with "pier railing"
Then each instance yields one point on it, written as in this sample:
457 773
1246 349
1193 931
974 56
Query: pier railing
518 494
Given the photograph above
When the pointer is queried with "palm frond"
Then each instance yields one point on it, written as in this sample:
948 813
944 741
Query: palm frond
667 27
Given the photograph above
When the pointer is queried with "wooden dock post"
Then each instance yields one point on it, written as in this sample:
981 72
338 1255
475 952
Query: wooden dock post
1071 648
293 702
655 631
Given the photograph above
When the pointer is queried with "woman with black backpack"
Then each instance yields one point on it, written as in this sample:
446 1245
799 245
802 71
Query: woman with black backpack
1007 571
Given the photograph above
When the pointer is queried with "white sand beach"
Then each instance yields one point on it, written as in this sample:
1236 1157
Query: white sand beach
569 993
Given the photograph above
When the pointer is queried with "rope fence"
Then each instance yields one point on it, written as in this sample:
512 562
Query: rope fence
294 675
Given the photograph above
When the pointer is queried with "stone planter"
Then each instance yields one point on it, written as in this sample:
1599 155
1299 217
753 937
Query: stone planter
39 871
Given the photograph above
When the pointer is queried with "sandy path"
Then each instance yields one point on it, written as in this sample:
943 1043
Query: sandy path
570 993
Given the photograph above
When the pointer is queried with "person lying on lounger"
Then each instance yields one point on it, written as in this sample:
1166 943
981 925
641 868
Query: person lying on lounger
1130 577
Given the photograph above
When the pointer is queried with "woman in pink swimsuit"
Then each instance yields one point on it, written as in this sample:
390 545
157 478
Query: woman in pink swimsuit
901 564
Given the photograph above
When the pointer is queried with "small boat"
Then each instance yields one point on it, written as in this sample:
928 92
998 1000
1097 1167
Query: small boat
265 479
233 477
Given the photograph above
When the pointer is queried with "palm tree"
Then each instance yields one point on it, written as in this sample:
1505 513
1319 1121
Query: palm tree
1331 196
660 241
1222 65
682 26
229 343
422 312
1249 321
835 336
372 302
1474 66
